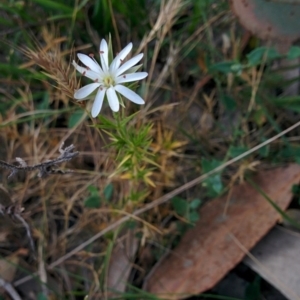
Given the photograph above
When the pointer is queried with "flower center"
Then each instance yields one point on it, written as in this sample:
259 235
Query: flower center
108 81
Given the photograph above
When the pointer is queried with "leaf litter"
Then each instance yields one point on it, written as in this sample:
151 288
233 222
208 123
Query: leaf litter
212 248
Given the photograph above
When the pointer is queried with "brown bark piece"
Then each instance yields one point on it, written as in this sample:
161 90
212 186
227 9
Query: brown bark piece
208 251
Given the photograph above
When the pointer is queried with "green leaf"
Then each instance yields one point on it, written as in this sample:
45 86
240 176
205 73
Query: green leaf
180 206
288 102
253 290
55 5
12 70
93 190
131 224
93 201
256 56
228 102
224 67
293 53
213 183
44 104
75 117
60 17
108 191
193 216
296 189
297 160
264 151
41 296
236 151
194 204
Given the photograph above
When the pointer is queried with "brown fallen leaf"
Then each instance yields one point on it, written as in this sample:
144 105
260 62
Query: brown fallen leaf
208 251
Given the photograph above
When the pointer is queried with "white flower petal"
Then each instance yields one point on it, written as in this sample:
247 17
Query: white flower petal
104 76
85 91
104 55
131 62
129 94
85 72
97 105
120 57
113 100
131 77
90 63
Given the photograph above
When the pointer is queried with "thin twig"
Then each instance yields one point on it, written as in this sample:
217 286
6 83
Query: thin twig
45 168
14 212
28 232
10 289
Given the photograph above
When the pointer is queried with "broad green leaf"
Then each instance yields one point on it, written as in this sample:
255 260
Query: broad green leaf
264 151
180 206
236 151
294 52
41 296
194 204
253 290
228 102
75 118
257 55
93 190
93 201
224 67
213 183
108 191
131 224
288 102
193 216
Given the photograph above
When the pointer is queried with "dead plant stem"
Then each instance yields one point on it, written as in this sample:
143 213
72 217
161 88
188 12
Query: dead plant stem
10 289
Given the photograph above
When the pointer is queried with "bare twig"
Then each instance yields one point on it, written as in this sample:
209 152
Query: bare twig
45 168
28 232
14 212
9 289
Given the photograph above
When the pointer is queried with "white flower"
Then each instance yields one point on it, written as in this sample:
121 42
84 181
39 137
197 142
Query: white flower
109 79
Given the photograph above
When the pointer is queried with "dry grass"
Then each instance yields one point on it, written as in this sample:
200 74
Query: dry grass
74 242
